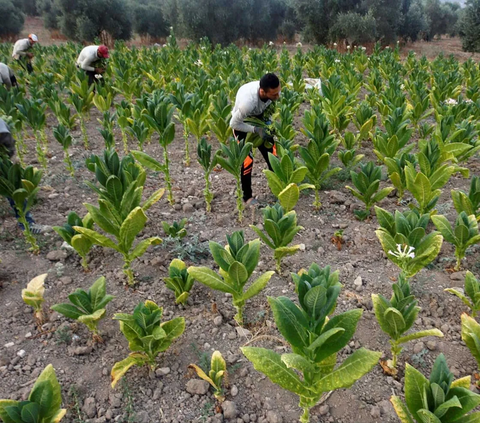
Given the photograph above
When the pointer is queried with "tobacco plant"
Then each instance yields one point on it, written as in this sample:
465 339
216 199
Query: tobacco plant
470 295
88 307
279 230
43 403
315 339
147 337
237 261
439 399
397 315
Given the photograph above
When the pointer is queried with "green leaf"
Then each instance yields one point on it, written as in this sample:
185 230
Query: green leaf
352 369
348 321
395 320
211 279
415 386
421 334
401 410
48 374
471 335
238 273
297 362
122 367
97 238
131 227
68 310
142 246
290 321
257 286
156 196
145 160
289 196
271 365
4 403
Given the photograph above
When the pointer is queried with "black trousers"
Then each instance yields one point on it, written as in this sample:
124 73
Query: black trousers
247 166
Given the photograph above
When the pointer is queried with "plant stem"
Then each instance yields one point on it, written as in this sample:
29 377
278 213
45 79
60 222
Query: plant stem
239 316
207 192
68 162
167 176
125 141
128 271
305 416
84 263
187 147
28 235
84 130
317 204
279 265
240 206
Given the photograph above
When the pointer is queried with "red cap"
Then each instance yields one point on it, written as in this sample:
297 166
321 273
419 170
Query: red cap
103 51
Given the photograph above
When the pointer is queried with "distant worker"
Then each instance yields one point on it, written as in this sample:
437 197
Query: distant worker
252 100
7 77
90 60
7 149
22 54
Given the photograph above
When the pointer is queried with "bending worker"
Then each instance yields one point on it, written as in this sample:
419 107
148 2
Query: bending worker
252 100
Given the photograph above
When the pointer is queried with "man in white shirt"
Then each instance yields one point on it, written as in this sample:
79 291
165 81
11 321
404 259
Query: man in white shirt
251 101
22 53
89 60
7 77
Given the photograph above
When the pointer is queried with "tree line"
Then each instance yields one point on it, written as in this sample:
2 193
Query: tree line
226 21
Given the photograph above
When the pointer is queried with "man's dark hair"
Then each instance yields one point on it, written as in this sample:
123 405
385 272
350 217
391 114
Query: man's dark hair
269 81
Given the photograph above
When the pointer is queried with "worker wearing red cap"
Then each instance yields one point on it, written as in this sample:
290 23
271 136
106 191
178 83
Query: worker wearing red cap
22 53
89 61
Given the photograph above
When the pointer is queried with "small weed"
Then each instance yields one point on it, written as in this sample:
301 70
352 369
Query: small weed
207 411
130 415
63 335
418 360
76 409
191 249
204 358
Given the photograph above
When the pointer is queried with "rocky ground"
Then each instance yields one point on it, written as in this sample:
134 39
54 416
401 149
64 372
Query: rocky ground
172 393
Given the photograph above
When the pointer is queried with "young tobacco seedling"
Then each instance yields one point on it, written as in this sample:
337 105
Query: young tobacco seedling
179 281
233 156
397 316
20 186
158 116
439 399
404 239
87 307
146 335
176 229
471 336
285 181
63 136
367 183
463 235
237 261
280 228
208 163
218 369
470 203
472 291
43 404
317 162
33 296
315 340
80 243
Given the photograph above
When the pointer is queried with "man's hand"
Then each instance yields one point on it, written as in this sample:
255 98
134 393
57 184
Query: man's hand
99 70
259 131
29 55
